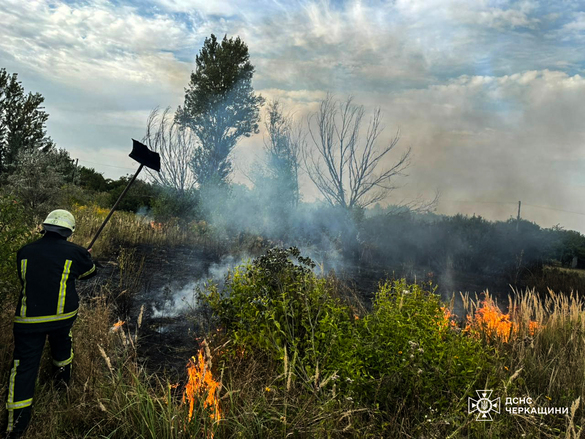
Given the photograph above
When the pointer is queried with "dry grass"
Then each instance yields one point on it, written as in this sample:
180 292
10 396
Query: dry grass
543 357
576 271
128 229
110 394
78 405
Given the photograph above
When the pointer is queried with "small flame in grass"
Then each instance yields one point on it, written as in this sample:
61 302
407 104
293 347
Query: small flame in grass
532 327
201 383
496 325
117 325
156 226
448 319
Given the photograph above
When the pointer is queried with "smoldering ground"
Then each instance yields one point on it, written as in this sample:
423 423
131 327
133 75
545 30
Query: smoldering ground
365 247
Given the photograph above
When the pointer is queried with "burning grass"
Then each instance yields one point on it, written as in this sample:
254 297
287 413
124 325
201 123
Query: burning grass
489 322
116 326
201 385
404 368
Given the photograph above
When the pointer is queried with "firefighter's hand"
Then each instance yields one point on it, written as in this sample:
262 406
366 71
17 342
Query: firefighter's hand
89 250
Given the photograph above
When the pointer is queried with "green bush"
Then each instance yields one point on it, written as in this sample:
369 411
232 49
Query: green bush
15 231
405 355
140 195
280 307
409 353
36 182
170 203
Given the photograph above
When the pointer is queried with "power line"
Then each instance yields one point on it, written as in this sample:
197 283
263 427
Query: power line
514 202
554 208
103 164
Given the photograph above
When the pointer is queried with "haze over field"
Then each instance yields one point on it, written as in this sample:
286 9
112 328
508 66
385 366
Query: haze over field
490 95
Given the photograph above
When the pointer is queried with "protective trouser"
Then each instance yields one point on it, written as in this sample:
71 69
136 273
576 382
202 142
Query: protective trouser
28 349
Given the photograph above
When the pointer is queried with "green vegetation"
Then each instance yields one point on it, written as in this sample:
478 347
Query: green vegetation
401 360
22 122
14 233
220 107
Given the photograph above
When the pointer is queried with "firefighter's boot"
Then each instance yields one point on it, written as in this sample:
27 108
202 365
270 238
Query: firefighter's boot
62 376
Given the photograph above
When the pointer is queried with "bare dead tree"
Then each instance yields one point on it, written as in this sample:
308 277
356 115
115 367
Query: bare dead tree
176 145
344 165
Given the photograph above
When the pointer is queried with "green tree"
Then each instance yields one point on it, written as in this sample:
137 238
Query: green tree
22 121
36 181
282 148
141 195
220 107
92 180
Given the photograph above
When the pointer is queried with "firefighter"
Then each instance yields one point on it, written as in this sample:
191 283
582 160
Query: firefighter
47 307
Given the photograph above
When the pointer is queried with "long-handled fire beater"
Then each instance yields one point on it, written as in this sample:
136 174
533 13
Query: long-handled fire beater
145 157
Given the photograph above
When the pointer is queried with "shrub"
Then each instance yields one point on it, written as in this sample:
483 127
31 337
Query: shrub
36 182
170 203
406 354
275 305
409 353
139 196
15 231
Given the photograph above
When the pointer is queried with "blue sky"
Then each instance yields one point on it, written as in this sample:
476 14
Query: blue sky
490 95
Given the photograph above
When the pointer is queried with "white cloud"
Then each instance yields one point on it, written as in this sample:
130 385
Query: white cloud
484 13
500 19
331 47
295 102
214 7
576 27
94 42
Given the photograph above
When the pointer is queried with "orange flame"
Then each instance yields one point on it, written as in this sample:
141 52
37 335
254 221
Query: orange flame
532 327
156 226
488 319
447 320
117 325
200 382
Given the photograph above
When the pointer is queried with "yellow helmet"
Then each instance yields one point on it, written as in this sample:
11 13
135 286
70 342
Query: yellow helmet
59 218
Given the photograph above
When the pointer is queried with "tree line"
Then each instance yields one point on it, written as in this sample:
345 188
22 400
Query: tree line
36 172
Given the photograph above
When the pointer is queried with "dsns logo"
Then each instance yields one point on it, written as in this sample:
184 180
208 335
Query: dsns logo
483 405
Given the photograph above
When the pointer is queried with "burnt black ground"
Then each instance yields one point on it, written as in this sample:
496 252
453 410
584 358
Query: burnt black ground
172 325
167 336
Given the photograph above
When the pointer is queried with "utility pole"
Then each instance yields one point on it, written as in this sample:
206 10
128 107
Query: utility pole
75 171
518 219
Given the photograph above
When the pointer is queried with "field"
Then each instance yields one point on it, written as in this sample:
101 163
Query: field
279 351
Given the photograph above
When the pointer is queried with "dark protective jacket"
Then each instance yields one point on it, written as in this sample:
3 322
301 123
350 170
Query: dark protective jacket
48 269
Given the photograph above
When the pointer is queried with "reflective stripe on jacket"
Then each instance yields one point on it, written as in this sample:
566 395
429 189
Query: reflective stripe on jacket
48 269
